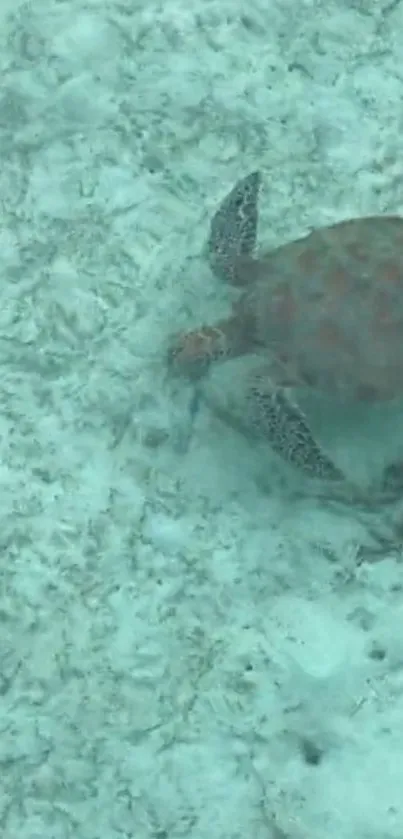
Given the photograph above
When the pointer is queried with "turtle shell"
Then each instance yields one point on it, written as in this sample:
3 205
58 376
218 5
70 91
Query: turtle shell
329 307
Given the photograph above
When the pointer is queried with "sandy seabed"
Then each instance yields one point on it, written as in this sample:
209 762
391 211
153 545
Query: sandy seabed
188 651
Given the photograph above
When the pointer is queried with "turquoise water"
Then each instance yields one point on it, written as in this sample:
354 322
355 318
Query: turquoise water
196 640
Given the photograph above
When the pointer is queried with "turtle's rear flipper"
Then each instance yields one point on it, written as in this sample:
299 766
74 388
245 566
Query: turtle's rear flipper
273 416
233 229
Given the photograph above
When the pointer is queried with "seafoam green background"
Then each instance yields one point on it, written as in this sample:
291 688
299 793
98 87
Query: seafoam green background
179 633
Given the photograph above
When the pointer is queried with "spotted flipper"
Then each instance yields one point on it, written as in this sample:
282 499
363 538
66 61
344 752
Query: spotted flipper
233 229
272 415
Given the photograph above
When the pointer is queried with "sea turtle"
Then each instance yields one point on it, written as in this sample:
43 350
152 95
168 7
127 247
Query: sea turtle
324 312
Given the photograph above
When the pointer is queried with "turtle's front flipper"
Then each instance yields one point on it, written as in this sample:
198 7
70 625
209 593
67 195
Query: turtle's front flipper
233 229
273 416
